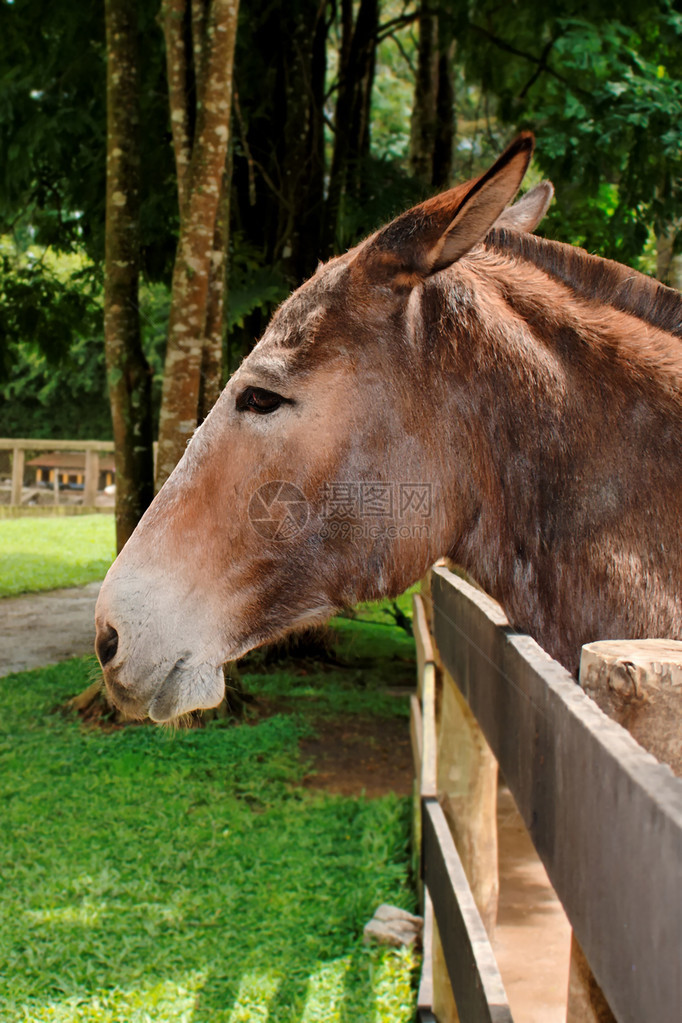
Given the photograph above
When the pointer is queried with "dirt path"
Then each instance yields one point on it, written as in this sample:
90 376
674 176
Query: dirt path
42 628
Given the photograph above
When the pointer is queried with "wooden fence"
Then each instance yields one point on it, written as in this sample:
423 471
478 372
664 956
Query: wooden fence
604 815
92 449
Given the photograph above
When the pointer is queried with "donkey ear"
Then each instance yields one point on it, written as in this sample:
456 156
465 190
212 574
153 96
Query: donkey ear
434 234
526 214
482 204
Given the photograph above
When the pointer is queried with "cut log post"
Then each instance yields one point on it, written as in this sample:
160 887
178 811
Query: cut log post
91 478
56 485
638 683
17 474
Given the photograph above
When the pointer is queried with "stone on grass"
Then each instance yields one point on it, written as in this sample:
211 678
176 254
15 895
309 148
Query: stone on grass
393 926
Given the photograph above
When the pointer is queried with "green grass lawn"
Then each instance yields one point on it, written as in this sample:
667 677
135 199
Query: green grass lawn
46 553
151 875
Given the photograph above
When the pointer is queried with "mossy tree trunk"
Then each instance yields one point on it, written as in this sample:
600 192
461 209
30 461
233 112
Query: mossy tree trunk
200 63
128 373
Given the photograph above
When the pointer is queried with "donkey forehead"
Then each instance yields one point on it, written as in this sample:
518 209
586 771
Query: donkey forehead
305 330
299 318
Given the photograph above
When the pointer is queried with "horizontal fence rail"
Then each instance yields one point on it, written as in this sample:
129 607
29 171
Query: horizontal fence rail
604 815
27 444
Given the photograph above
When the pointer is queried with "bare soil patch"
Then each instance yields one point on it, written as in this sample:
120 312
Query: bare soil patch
352 755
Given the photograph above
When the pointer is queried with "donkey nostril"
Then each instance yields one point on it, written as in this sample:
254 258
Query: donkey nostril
106 645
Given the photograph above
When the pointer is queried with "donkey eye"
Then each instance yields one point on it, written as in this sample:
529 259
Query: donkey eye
259 400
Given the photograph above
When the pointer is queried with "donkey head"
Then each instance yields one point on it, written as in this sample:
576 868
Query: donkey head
318 479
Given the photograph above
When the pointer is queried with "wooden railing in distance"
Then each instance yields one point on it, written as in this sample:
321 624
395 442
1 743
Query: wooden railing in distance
467 954
20 446
604 815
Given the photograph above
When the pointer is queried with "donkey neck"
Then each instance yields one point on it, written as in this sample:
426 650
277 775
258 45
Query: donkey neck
572 452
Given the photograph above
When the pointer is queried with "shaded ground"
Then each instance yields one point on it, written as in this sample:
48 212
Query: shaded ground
43 628
351 754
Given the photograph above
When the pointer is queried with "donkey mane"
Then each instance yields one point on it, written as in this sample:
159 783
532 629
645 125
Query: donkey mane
592 277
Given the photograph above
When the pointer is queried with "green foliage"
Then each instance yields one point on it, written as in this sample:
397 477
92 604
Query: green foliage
393 93
43 308
53 130
51 339
604 97
45 553
152 875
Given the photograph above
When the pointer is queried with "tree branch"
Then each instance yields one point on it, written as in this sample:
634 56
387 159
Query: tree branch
542 66
540 61
403 53
389 27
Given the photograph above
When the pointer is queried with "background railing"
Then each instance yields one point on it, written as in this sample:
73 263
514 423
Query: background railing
91 448
604 815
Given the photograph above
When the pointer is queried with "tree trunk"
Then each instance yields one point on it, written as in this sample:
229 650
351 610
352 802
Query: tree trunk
198 262
279 165
669 262
444 140
432 130
357 61
423 125
128 373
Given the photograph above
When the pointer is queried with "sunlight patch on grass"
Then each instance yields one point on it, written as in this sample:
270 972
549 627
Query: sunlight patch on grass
168 1001
325 994
392 986
256 993
85 915
45 554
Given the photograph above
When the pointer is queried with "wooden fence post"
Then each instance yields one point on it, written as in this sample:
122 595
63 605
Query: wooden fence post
17 474
91 478
638 683
465 776
467 784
